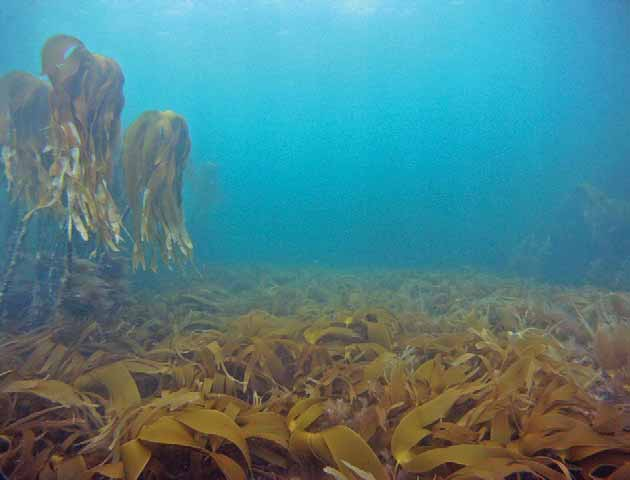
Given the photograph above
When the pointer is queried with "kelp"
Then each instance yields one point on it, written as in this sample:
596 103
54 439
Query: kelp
24 118
612 348
156 150
334 392
58 146
85 105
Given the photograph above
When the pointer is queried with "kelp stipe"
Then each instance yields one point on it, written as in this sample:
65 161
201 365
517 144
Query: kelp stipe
156 150
10 270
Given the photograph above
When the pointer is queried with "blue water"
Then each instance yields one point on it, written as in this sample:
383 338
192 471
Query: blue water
349 132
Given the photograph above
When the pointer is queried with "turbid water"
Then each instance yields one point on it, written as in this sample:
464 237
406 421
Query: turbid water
353 239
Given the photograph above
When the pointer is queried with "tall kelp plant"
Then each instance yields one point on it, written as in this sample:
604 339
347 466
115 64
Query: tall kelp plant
24 116
156 150
86 101
58 145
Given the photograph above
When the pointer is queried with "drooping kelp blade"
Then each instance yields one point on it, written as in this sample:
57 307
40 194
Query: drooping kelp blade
156 150
24 116
86 101
57 64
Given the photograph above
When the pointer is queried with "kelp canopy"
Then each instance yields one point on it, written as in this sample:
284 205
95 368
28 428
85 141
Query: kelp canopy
24 118
59 144
85 102
156 150
390 375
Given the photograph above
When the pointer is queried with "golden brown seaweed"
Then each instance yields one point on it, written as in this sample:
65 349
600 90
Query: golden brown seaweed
86 101
156 150
24 118
357 393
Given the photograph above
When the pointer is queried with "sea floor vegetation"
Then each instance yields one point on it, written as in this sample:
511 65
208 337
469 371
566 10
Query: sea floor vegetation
279 373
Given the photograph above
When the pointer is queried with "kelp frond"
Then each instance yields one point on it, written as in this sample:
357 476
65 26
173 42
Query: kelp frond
24 116
86 101
156 150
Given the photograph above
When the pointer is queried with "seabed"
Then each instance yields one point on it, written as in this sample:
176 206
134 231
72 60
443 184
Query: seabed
268 372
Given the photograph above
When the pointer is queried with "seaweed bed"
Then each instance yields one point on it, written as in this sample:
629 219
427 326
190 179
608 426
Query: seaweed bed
260 372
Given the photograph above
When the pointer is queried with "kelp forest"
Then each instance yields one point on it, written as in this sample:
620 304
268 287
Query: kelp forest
260 372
